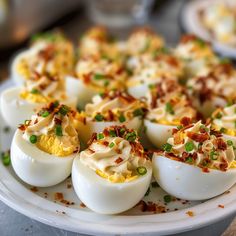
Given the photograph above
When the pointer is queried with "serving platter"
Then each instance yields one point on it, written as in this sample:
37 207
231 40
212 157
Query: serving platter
191 23
69 213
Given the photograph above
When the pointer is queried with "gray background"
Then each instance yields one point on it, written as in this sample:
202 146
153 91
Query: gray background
166 21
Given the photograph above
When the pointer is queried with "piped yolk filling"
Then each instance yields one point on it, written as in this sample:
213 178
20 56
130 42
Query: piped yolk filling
115 178
34 98
52 144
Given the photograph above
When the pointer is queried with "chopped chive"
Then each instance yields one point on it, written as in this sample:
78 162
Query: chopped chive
122 118
179 127
100 136
6 159
189 160
151 86
141 170
138 112
213 155
112 133
33 138
99 117
64 110
45 114
218 115
167 198
111 145
131 136
98 76
106 83
34 91
223 130
204 127
167 147
101 94
58 130
155 185
235 124
200 42
230 143
169 108
225 61
122 131
56 104
189 146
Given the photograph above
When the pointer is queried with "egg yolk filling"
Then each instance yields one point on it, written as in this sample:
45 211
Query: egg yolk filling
43 89
224 120
114 106
199 145
52 130
168 104
53 58
116 155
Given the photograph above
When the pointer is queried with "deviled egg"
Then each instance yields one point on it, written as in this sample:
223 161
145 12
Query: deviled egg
214 90
197 55
110 108
224 120
156 69
219 19
43 148
201 162
168 105
51 54
114 173
94 76
143 40
19 103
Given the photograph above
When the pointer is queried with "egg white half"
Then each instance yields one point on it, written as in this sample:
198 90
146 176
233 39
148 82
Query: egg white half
138 91
14 109
77 89
190 182
36 167
105 197
157 133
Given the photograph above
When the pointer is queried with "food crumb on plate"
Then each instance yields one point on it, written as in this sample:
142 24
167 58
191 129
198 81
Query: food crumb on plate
221 206
190 213
58 196
34 189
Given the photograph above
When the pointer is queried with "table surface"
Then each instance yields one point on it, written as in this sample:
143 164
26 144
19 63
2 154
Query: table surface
166 21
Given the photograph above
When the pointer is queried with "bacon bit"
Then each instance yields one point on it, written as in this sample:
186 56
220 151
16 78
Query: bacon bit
224 166
57 121
174 131
22 127
205 170
200 138
172 61
58 196
118 160
227 192
105 143
188 38
86 78
34 189
221 206
221 144
151 207
82 205
91 150
216 133
185 121
93 137
190 213
110 115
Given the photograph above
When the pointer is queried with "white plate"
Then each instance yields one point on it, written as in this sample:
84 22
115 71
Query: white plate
191 23
76 218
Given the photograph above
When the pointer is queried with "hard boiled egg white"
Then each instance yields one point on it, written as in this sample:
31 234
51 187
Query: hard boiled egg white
36 167
190 182
106 197
86 130
139 90
157 133
77 89
16 110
